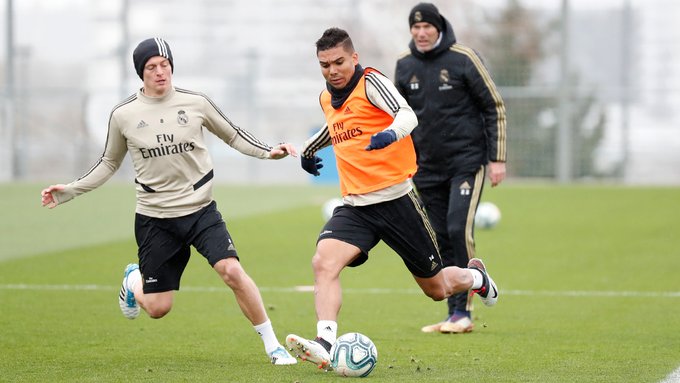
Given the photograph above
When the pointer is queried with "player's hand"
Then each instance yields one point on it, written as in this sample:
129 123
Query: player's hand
282 150
382 139
311 164
47 196
496 172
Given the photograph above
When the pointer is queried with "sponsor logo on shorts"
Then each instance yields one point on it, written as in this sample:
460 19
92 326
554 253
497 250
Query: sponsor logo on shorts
325 232
151 280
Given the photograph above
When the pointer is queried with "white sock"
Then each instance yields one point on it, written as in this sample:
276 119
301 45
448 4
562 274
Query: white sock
477 279
132 279
327 330
266 332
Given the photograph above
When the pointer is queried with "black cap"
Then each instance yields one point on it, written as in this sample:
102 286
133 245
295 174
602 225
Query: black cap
147 49
428 13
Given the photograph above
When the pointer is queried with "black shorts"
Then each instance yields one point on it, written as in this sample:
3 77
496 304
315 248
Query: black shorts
164 245
401 223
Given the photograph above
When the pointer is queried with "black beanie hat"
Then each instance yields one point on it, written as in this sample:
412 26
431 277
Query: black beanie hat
147 49
428 13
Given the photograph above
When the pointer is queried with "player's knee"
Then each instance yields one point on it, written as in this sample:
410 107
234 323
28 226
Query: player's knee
435 292
231 272
322 265
157 311
318 263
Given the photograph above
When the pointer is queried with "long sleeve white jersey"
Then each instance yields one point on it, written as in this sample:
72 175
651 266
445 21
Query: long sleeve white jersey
165 139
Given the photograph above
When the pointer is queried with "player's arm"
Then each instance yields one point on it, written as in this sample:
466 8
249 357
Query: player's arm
309 161
114 153
384 95
397 83
491 104
240 139
320 140
489 100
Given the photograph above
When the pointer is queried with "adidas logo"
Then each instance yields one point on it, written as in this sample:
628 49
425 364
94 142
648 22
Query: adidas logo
348 110
142 124
465 188
413 83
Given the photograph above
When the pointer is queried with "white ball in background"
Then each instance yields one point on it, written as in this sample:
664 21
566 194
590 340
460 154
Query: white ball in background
488 215
328 207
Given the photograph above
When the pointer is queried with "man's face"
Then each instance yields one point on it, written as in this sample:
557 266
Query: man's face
337 65
424 36
157 76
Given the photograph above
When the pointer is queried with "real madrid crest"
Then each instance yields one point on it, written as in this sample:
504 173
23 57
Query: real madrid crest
444 76
444 79
182 118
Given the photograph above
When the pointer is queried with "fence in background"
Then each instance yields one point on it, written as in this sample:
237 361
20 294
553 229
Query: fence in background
607 115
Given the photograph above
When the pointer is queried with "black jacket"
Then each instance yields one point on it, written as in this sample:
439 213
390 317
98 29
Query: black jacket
461 116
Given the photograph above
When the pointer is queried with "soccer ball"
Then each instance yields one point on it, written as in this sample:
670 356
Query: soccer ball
328 207
354 355
488 215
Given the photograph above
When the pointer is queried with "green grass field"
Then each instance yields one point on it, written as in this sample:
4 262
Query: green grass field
589 279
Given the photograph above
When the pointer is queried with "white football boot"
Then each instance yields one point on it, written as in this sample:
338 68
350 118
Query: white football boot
310 351
281 357
126 297
488 292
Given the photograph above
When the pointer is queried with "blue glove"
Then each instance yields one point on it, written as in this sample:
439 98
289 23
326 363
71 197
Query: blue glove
382 139
311 164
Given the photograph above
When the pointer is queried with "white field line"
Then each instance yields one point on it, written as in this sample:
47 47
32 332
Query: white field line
673 377
302 289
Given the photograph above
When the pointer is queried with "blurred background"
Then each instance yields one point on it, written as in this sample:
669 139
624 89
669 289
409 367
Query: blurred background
590 87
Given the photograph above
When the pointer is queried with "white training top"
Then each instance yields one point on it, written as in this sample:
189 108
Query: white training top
164 137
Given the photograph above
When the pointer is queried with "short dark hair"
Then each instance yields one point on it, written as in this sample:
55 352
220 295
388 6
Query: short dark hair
332 37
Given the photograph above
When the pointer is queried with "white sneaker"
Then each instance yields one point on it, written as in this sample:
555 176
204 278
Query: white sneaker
281 357
126 298
309 350
488 292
